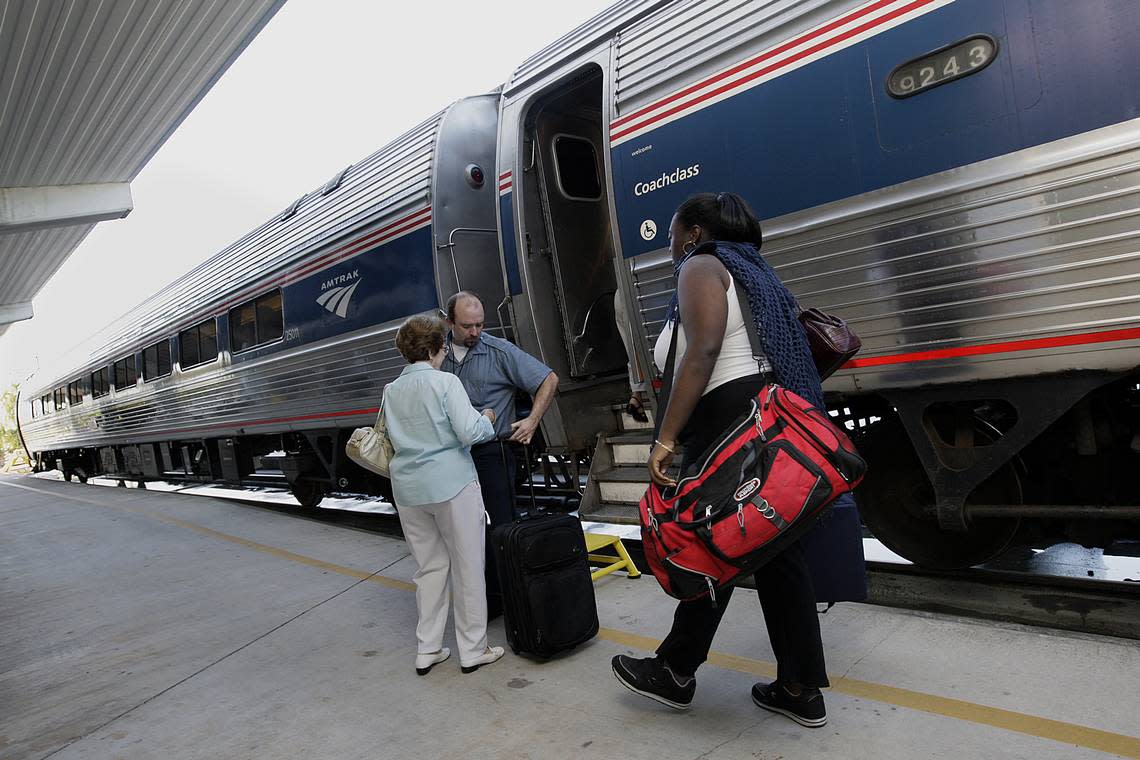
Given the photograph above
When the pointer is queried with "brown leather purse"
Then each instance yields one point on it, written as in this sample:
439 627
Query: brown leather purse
832 342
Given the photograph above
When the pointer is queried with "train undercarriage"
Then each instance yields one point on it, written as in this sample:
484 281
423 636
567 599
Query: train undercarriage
954 478
957 477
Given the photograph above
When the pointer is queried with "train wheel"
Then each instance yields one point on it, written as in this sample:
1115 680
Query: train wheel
308 493
896 501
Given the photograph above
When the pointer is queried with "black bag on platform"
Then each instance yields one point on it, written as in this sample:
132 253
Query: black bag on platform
547 590
548 594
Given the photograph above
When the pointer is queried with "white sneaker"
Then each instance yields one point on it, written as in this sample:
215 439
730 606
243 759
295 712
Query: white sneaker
424 662
489 655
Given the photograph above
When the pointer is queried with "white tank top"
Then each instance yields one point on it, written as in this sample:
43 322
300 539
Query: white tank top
735 358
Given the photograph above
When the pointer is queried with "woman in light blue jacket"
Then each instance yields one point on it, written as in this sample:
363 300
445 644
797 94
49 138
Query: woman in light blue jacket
432 426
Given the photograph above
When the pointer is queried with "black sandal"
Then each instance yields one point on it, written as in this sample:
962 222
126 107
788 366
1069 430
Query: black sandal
636 409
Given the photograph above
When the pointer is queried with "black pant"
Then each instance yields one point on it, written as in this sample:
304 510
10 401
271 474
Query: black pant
783 585
495 464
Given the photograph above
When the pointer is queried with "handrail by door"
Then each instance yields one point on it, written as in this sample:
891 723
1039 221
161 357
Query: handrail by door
450 244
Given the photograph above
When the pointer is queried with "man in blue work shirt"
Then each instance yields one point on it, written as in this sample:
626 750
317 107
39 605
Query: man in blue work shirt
493 370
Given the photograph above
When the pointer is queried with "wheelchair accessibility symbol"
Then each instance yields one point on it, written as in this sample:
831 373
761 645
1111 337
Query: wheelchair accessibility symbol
648 230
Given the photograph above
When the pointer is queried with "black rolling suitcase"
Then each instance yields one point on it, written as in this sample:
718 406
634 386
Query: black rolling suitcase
548 594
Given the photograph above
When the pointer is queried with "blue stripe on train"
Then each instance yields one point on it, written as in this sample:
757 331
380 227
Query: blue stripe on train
395 279
510 251
830 130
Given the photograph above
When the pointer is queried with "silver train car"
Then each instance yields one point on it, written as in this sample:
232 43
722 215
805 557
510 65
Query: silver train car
956 178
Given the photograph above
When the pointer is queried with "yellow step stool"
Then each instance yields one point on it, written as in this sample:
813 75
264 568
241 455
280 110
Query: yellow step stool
596 541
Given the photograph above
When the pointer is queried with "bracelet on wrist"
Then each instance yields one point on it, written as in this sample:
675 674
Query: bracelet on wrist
664 446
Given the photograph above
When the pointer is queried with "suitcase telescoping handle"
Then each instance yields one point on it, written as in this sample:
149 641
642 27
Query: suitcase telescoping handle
511 479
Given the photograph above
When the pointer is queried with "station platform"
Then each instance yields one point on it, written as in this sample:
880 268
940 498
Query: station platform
137 624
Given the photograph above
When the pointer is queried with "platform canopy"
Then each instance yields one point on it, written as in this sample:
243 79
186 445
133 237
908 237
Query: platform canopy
89 91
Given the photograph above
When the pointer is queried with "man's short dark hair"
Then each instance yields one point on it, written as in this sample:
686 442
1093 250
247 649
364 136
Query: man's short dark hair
455 299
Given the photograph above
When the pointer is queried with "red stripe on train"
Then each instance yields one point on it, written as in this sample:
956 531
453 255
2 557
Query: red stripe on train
257 423
752 61
1079 339
774 67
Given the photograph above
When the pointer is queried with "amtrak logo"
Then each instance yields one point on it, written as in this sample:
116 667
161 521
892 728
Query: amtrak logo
335 297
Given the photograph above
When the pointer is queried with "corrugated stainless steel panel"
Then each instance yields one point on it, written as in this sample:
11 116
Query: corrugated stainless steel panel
597 30
1037 244
1041 243
89 90
319 384
387 185
687 41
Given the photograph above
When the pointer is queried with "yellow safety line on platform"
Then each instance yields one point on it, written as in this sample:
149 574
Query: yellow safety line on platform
271 550
1045 728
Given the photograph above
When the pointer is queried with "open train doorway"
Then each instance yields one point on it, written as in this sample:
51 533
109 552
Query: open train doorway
569 226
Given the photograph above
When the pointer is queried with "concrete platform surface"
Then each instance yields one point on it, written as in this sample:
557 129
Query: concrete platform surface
159 625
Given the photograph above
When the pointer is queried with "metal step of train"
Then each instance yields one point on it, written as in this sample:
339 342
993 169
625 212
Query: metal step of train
618 476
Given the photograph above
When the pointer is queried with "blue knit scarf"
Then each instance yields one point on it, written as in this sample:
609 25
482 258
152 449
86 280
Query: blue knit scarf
775 312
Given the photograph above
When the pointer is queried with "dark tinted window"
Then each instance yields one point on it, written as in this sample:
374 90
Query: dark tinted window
577 165
100 382
199 344
270 325
59 396
156 360
208 340
45 404
76 390
243 326
188 348
257 322
124 373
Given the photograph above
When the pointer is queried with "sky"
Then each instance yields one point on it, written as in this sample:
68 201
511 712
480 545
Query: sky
325 83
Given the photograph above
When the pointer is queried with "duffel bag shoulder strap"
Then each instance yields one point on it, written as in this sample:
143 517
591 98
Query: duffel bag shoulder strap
750 326
671 359
667 378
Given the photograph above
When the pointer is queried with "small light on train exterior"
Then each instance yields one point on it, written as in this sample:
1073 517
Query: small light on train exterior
475 176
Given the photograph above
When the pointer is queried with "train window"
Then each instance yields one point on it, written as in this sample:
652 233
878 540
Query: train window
100 382
208 340
270 325
243 327
34 406
199 344
45 404
59 396
156 361
941 66
76 390
576 165
124 370
257 322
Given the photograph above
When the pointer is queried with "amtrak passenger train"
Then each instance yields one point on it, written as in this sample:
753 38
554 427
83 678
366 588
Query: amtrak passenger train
958 179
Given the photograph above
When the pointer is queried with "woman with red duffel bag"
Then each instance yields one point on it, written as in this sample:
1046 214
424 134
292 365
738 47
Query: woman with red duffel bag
716 374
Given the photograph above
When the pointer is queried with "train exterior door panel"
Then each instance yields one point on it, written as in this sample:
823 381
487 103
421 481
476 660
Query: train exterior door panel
465 196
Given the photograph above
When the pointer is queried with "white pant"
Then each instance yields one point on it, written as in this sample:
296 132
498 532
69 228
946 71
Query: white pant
447 542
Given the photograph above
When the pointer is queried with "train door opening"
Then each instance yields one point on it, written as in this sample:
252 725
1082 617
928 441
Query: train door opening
565 171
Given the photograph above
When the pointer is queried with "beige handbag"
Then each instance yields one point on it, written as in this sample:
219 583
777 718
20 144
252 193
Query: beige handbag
370 447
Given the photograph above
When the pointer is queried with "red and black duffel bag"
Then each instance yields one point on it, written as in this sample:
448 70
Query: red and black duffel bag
755 491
